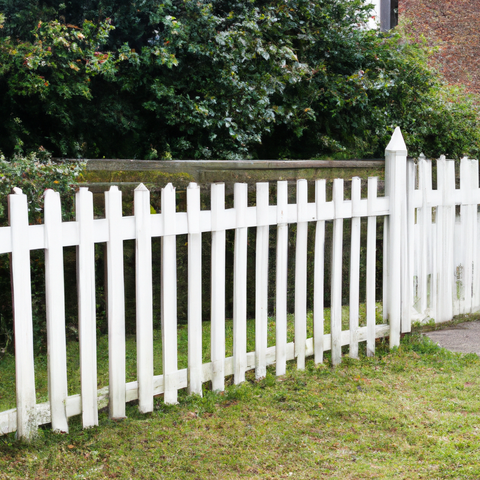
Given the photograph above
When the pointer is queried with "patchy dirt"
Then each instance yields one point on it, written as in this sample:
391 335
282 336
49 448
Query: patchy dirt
453 26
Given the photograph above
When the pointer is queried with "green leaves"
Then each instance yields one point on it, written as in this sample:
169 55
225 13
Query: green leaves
236 79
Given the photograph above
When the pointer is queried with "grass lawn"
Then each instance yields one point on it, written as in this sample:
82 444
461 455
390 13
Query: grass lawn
413 412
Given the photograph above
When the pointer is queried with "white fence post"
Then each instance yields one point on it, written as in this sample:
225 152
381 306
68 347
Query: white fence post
301 274
217 343
22 316
261 281
319 273
144 298
336 289
87 330
281 280
194 291
169 294
395 189
355 266
371 261
55 306
240 284
116 303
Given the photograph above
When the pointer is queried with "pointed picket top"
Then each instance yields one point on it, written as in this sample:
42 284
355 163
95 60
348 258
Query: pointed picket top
17 191
141 188
397 143
114 188
422 156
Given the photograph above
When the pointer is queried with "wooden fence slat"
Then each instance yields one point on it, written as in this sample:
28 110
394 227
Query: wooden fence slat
409 249
337 253
22 316
281 279
55 309
218 287
371 260
240 284
424 221
87 331
476 250
354 300
115 304
468 222
395 188
445 236
144 298
169 294
301 274
261 281
319 274
194 291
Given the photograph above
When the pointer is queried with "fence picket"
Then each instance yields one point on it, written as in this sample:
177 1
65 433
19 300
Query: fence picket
115 304
55 308
240 284
301 274
194 291
354 300
22 316
371 261
261 281
319 273
445 239
169 294
395 188
86 307
468 219
281 279
218 287
144 298
337 253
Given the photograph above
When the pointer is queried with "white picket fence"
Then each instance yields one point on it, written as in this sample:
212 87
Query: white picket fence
413 253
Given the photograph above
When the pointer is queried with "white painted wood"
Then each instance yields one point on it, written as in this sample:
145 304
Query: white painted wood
169 294
218 287
386 283
371 261
474 175
301 274
261 281
336 289
194 291
115 304
240 284
144 298
281 279
468 220
355 267
55 307
395 187
86 307
319 274
22 316
424 221
408 261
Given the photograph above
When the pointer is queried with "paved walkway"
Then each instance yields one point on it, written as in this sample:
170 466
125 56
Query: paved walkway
463 338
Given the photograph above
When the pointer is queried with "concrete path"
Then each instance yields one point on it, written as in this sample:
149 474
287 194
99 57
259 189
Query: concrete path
463 338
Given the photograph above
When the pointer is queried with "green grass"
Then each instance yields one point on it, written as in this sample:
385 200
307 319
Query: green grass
408 413
7 363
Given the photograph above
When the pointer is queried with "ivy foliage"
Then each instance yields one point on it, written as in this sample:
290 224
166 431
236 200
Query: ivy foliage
217 79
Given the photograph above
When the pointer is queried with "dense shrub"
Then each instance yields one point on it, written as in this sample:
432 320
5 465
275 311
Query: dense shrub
243 79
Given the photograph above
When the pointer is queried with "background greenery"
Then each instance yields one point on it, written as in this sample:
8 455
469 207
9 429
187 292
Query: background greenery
242 79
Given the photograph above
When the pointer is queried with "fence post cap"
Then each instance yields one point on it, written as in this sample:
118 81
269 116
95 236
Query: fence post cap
397 143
